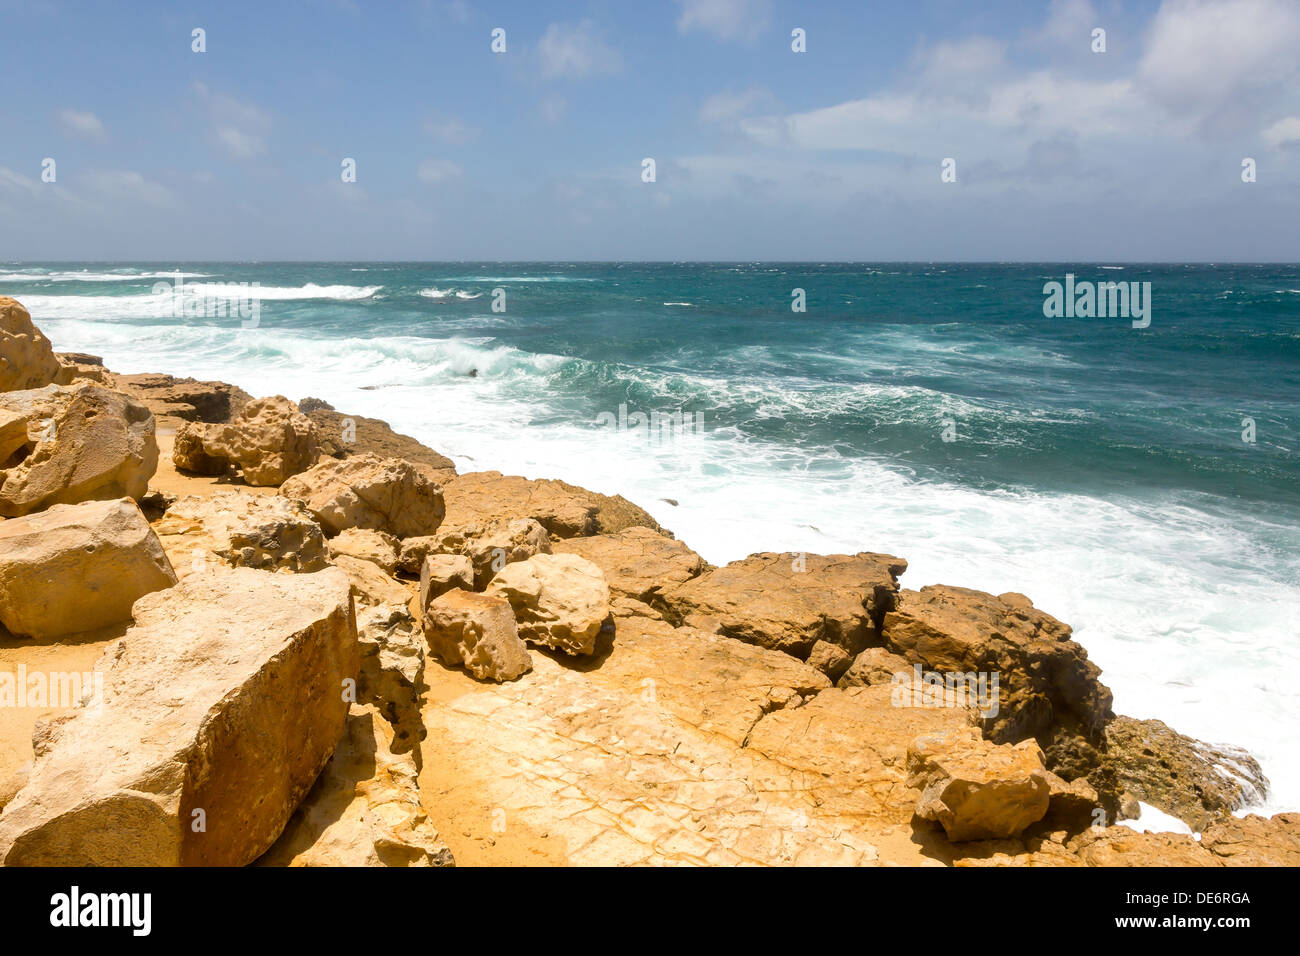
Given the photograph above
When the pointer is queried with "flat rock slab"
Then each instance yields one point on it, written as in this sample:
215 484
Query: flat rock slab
789 602
637 562
678 747
220 707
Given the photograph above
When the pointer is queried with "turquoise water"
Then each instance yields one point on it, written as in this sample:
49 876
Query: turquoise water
929 410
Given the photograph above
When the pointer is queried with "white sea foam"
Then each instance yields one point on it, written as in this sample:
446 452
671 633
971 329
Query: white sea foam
1191 610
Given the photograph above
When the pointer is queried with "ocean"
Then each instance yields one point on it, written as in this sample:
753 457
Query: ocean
1140 483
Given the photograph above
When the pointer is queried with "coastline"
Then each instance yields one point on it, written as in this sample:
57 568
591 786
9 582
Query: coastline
655 622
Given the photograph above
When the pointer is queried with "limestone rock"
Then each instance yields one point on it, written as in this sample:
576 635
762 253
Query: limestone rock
560 600
241 530
1187 778
392 671
26 358
225 698
637 561
564 510
269 440
1120 846
476 631
490 546
345 436
1253 840
370 585
167 396
364 810
875 665
384 494
84 443
977 790
831 659
789 602
77 568
441 573
374 546
1047 687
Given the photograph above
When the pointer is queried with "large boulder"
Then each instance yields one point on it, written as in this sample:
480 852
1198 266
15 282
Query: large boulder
490 546
1047 688
977 790
477 632
220 708
637 561
369 545
77 568
364 810
183 398
560 600
875 665
789 602
371 585
84 443
441 573
1187 778
564 510
241 530
26 358
384 494
269 441
345 436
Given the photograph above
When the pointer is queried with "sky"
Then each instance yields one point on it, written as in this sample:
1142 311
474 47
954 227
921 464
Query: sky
1060 152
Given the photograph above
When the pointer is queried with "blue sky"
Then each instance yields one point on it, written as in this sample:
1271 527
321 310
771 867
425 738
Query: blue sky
762 153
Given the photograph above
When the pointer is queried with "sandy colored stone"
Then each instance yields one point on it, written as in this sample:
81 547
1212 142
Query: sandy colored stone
440 573
365 808
560 600
478 632
345 436
248 531
789 602
831 659
679 748
977 790
875 665
1047 687
384 494
26 358
490 546
392 671
1253 840
564 510
370 584
269 440
1120 846
85 443
637 562
374 546
76 568
226 697
183 399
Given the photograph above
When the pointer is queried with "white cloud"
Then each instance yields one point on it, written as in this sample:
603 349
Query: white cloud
725 19
1213 62
727 107
83 124
438 170
1283 133
238 128
452 129
576 49
553 108
129 185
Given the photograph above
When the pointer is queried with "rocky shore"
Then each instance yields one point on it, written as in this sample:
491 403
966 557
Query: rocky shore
243 630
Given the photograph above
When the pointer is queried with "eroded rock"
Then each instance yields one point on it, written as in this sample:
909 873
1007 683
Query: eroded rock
478 632
383 494
637 561
241 530
222 704
269 441
26 358
559 600
77 568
